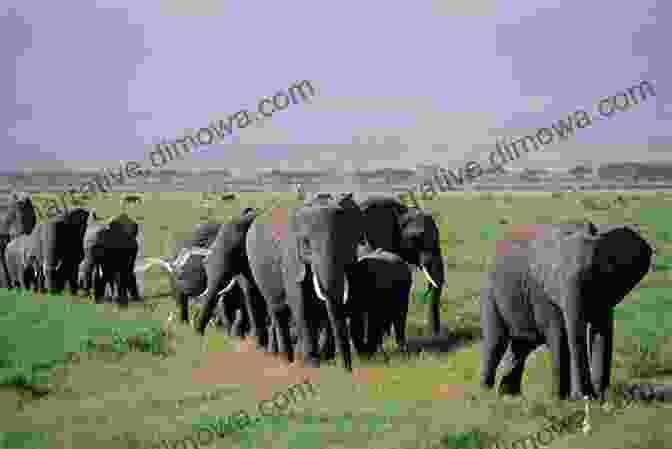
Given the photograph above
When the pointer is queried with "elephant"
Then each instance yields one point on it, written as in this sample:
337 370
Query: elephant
411 233
380 284
223 267
299 258
20 219
191 281
546 290
231 310
110 250
62 249
19 256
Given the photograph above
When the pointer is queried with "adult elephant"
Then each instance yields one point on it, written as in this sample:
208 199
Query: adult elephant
413 234
560 289
19 219
227 261
380 284
110 250
190 279
299 258
62 249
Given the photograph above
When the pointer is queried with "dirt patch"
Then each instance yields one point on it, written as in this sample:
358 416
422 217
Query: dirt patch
246 366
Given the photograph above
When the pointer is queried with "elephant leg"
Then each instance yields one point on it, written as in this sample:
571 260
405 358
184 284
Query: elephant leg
20 279
228 316
72 280
5 279
132 278
357 331
557 343
399 320
257 311
601 337
236 327
376 328
99 282
244 321
273 339
282 318
327 340
495 338
183 305
512 381
124 287
578 348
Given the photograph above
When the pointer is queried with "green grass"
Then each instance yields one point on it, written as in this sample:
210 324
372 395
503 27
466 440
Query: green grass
133 376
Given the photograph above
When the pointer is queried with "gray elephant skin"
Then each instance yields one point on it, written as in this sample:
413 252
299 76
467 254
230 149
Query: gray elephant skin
62 248
299 258
110 250
191 282
560 289
19 219
190 277
224 267
19 258
414 235
380 284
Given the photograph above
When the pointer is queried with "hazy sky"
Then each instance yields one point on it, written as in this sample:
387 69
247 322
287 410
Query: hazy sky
99 81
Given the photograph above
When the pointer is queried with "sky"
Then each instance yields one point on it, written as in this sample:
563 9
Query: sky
98 81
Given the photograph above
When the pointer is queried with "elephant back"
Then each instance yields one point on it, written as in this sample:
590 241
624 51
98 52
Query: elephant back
20 218
124 223
383 270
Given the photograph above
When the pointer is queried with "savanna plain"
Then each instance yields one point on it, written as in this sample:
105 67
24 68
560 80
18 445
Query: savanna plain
76 375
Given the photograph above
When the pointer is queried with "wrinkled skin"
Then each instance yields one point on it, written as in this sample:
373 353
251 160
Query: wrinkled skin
191 282
227 261
413 234
110 250
62 244
18 219
190 277
292 253
18 256
552 290
380 286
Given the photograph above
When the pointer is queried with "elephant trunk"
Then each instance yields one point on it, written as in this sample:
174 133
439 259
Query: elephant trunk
431 265
334 294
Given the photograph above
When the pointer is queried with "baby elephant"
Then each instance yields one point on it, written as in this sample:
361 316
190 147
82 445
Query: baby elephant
380 284
560 288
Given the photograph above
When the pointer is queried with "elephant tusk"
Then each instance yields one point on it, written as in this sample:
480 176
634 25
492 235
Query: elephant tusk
320 292
151 262
318 289
227 288
346 290
429 278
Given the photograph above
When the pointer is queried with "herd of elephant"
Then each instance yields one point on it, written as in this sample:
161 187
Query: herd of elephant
332 270
71 248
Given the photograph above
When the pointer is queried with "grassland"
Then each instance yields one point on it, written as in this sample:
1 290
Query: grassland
81 376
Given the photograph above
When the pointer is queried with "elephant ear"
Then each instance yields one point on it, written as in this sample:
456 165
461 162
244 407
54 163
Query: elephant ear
623 257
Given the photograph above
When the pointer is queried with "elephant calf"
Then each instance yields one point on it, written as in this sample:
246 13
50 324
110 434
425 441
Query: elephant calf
19 258
380 283
560 289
